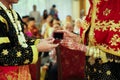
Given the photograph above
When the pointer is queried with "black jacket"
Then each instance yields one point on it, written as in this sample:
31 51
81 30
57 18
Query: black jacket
11 52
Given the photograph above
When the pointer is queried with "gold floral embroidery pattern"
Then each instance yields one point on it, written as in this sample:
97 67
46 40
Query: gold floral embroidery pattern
114 40
106 12
107 49
104 25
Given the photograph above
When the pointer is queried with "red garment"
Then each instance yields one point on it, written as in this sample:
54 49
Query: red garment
73 64
33 71
15 73
103 23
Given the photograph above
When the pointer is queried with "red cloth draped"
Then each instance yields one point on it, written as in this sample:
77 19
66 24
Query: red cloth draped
73 63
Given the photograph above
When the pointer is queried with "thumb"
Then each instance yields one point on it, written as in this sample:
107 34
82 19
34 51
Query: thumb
54 45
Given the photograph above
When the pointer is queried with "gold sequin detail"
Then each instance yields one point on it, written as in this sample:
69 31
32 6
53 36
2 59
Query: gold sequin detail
19 54
26 61
108 72
5 52
106 12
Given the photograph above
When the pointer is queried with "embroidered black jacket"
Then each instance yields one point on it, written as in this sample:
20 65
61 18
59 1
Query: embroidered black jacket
11 52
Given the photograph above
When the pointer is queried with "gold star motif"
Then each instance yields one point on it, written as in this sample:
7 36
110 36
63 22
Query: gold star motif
106 12
5 52
19 54
95 70
108 72
100 71
26 61
88 77
66 62
27 51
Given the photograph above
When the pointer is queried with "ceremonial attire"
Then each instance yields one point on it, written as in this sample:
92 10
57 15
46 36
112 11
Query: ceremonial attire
15 50
101 33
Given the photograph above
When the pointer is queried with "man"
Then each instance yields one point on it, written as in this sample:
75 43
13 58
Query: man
36 15
54 12
15 50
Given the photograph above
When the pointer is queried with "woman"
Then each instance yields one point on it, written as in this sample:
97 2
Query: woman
32 30
100 40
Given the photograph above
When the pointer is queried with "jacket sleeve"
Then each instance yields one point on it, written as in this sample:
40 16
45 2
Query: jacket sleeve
17 55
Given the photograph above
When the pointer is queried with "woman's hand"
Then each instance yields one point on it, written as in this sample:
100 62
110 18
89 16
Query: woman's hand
71 44
70 35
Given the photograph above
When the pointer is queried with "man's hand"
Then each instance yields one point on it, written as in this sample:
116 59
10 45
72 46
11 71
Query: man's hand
46 45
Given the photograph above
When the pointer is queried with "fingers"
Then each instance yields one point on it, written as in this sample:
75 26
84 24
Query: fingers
50 38
64 31
50 41
54 45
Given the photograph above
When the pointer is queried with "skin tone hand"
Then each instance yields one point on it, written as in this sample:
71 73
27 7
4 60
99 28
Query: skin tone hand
68 34
46 45
71 41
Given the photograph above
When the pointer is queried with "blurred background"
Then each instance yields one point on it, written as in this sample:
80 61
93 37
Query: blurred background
65 7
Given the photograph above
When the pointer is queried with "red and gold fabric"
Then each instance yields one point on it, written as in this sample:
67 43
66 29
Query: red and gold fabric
105 26
72 61
15 73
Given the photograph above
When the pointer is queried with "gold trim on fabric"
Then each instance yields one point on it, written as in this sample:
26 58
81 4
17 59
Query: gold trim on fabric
37 41
35 54
107 49
106 12
106 25
115 40
91 34
85 27
4 21
103 56
4 40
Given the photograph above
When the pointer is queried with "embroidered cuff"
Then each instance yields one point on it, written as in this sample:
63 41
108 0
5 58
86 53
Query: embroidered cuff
35 54
37 41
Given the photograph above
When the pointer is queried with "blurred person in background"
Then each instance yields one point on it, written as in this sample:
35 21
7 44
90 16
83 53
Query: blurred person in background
54 12
32 30
68 26
36 14
78 24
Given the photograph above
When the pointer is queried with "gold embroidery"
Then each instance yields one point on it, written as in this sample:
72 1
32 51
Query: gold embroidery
108 72
4 21
106 12
100 71
88 77
76 56
26 61
91 60
5 52
105 25
114 40
19 54
66 62
35 54
95 70
4 40
107 49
